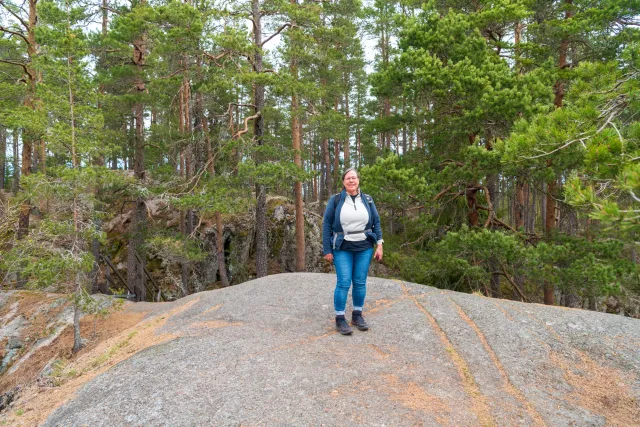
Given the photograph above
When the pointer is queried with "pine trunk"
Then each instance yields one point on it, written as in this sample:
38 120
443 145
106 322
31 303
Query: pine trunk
519 204
135 273
77 338
3 152
15 182
347 140
28 139
550 225
297 159
222 268
328 181
472 205
258 132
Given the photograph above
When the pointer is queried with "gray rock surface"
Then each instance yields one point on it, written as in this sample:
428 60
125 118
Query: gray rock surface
265 353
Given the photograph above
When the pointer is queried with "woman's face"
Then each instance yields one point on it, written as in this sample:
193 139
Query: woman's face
351 182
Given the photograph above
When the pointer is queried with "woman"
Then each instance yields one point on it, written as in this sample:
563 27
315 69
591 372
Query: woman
350 228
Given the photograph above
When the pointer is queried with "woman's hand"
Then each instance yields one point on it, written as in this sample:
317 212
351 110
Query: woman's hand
329 257
378 254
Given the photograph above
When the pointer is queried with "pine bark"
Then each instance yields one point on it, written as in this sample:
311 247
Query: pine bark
336 156
328 181
552 185
297 159
519 205
135 273
77 338
3 154
258 133
29 140
347 139
222 268
15 183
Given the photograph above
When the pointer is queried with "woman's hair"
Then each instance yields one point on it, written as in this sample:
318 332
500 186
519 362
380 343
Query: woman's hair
349 170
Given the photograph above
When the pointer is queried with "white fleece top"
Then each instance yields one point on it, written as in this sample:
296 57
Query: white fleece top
354 217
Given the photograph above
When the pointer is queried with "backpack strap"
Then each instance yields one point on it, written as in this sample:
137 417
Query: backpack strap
336 198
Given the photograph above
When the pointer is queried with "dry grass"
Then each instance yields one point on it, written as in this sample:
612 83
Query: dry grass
600 390
121 336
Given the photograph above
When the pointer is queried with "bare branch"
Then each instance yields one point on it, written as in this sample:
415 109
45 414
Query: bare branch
22 36
278 31
510 280
491 213
454 162
557 149
507 226
214 58
193 233
611 116
173 74
443 192
617 131
242 105
246 126
15 15
628 22
112 10
21 64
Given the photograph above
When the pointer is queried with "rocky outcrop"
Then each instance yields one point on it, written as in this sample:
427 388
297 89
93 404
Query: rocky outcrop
239 235
265 353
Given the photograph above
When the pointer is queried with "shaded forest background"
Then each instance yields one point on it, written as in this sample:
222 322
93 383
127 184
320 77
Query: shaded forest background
499 139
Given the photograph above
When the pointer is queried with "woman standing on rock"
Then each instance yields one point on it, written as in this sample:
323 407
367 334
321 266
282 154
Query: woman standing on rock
350 228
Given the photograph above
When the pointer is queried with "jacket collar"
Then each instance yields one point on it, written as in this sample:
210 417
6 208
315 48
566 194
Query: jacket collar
343 193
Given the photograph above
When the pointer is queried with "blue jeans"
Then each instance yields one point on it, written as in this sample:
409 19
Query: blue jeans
351 267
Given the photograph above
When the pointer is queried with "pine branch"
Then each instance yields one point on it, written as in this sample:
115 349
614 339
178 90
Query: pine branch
581 140
278 31
15 15
510 280
246 126
214 58
21 64
22 36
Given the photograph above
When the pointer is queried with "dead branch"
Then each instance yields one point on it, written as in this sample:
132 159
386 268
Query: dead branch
112 10
454 162
510 280
173 74
193 233
278 31
490 210
15 33
443 192
214 58
557 149
507 226
15 15
246 126
20 64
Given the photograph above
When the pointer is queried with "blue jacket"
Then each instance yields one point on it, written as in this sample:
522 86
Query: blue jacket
331 222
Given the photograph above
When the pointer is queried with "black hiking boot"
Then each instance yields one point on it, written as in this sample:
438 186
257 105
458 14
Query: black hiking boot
342 326
358 321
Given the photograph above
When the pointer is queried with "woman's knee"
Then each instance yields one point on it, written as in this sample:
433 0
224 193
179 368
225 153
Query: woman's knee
343 283
360 283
